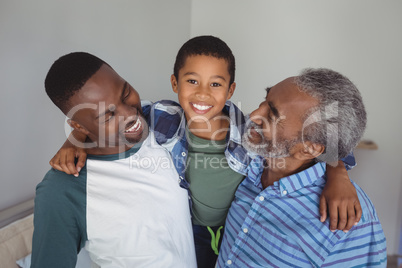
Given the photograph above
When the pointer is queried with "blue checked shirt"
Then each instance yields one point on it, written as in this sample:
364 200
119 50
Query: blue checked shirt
166 119
279 226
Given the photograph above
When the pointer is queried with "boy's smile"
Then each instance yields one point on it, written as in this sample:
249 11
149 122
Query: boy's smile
203 86
200 108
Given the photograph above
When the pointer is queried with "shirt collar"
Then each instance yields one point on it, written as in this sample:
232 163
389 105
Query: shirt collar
236 121
290 183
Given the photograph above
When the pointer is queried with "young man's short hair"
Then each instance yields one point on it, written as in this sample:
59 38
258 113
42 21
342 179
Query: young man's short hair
68 74
206 45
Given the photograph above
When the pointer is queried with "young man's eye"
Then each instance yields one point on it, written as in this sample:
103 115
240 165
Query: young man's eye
191 81
215 85
126 96
109 117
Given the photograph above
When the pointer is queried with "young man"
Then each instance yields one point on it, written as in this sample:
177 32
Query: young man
273 221
126 211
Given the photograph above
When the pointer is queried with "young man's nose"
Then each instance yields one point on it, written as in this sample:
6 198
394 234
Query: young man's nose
128 113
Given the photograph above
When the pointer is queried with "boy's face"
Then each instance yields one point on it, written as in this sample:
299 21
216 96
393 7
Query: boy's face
203 88
108 110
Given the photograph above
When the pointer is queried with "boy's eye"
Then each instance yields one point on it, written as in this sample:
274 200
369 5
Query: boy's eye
215 85
191 81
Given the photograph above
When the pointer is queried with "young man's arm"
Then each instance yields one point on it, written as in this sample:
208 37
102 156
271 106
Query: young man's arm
59 221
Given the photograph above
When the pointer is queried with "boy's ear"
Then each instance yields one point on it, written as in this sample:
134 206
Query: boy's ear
231 90
173 81
308 150
77 127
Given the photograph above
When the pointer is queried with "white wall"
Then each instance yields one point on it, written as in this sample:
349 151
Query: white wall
362 39
139 39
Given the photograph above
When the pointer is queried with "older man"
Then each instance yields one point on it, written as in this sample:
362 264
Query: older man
273 221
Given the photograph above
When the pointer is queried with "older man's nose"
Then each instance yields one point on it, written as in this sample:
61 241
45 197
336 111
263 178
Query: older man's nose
257 116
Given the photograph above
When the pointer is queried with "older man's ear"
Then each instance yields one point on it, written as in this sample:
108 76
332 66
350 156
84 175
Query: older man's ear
308 150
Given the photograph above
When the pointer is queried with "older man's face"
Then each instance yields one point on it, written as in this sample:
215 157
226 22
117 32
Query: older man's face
277 122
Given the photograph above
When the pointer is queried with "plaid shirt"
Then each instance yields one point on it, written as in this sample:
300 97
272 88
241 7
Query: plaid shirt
166 119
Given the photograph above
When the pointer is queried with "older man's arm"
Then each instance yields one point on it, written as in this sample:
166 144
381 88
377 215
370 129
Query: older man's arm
365 246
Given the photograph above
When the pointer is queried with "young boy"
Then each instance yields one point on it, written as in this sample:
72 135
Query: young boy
203 135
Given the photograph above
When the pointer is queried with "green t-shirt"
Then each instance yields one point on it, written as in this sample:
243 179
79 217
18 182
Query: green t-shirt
212 182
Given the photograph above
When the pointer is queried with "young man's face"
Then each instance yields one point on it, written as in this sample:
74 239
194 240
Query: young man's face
278 120
108 110
203 87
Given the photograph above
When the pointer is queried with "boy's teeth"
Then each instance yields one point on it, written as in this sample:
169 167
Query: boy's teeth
136 126
201 107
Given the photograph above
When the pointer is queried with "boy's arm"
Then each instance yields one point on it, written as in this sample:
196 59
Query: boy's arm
64 160
340 198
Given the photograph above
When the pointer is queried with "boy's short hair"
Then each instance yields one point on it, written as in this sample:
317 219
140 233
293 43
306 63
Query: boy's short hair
206 45
68 74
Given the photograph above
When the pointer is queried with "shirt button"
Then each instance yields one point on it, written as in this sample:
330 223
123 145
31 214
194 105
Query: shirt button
229 262
245 230
261 198
183 154
285 192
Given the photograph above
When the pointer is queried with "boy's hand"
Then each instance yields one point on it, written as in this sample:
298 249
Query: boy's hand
64 160
340 198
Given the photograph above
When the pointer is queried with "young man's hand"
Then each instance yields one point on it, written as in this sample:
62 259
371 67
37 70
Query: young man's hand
339 197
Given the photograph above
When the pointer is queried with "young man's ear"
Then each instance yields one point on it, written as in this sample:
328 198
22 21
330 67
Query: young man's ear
173 81
309 150
231 90
77 126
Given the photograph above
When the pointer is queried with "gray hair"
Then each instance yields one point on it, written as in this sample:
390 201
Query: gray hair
339 120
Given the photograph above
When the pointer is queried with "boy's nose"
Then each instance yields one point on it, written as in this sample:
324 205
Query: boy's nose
202 94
